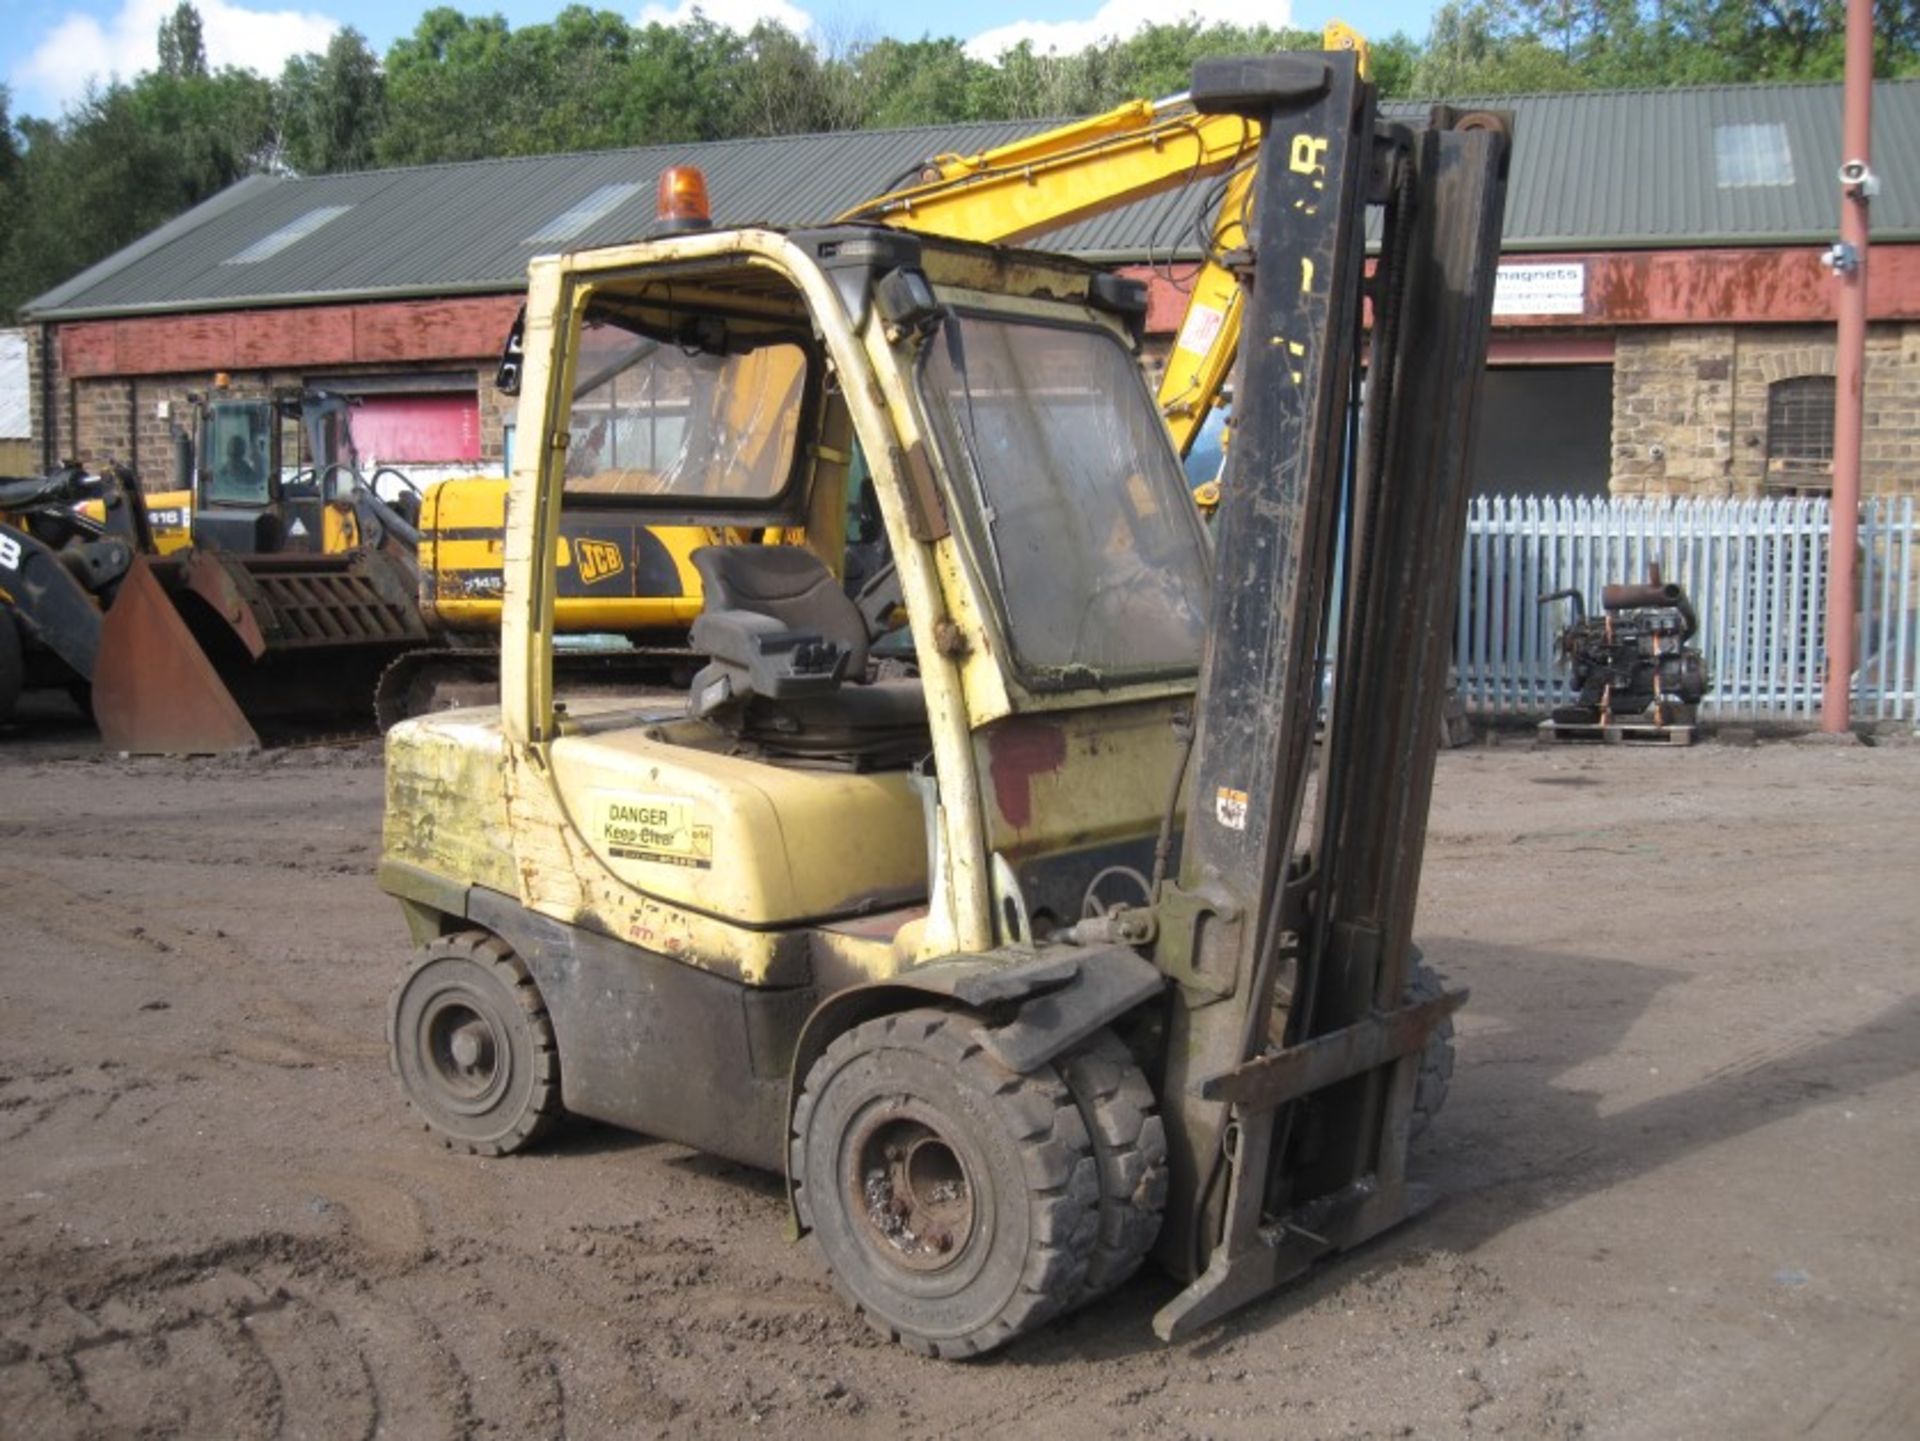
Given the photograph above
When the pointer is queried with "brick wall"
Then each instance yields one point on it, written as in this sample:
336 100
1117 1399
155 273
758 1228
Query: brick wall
120 418
1690 405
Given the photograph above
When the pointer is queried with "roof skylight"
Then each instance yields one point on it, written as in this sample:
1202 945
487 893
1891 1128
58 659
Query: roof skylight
294 230
597 206
1750 155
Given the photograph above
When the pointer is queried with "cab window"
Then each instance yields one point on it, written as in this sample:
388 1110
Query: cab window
655 418
235 459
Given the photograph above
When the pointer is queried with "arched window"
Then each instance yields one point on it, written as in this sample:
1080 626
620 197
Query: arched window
1800 434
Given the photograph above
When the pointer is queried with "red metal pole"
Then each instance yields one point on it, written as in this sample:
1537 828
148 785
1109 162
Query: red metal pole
1850 366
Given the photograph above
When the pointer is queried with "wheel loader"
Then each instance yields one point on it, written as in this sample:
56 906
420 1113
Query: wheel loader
257 588
1004 934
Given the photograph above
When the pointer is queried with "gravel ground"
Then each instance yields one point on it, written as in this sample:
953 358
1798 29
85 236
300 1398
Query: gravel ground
1681 1160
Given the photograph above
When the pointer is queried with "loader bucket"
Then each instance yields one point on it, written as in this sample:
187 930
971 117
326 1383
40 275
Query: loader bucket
154 689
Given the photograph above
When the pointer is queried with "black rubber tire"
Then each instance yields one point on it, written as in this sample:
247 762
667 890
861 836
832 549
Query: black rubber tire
13 671
471 987
1436 1060
1130 1155
1031 1187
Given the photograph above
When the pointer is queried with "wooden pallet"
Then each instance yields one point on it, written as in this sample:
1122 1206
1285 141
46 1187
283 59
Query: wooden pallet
1619 733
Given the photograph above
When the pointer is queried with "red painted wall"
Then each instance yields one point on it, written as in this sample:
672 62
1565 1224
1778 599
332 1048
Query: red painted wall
1665 287
290 338
1648 287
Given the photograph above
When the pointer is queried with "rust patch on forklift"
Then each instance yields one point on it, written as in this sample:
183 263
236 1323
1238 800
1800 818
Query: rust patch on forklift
1017 751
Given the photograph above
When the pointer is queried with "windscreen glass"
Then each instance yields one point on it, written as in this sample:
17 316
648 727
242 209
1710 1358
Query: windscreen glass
651 418
236 455
1081 505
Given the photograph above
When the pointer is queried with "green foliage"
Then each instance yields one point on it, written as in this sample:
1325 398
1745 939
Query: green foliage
182 43
332 107
129 157
122 162
1516 46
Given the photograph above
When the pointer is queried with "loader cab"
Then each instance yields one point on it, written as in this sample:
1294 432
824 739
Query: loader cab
271 475
1029 507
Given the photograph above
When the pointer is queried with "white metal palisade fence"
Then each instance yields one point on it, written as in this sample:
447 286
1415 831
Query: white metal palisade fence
1755 570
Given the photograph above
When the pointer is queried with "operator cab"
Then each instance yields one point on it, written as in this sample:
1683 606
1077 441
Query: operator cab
952 567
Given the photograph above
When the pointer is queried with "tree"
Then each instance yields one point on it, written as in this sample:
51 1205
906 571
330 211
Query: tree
332 107
680 84
183 46
121 162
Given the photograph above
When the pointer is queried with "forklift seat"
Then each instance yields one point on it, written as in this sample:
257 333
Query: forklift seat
788 662
791 585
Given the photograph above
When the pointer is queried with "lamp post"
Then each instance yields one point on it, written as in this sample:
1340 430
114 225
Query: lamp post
1849 258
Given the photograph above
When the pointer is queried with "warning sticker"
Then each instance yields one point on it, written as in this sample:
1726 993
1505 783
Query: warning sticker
667 830
1230 808
1202 325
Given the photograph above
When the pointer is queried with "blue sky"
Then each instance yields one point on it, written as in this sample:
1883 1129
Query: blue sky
50 48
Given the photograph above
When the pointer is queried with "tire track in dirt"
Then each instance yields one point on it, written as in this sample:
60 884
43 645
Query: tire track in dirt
276 1335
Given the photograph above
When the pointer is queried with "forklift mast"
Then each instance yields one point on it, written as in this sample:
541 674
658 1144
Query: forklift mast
1289 1110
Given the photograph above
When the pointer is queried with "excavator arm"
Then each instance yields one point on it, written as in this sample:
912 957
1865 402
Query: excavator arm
1091 167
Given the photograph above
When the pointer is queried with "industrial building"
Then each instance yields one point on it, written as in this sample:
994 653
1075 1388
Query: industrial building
1664 317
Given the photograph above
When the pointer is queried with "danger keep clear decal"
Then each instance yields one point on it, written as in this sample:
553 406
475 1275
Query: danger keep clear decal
667 830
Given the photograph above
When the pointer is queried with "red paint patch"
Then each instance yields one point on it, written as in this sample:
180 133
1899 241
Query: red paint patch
1017 751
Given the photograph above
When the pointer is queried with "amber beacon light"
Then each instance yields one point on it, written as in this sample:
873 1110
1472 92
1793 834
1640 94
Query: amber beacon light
681 202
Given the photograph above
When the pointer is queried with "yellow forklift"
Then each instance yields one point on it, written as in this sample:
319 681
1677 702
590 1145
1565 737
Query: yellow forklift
993 921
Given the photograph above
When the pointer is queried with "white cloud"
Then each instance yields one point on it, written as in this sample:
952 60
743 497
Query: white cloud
739 16
1116 20
81 48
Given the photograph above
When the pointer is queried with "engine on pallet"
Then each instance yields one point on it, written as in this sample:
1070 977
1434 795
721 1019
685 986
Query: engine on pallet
1634 674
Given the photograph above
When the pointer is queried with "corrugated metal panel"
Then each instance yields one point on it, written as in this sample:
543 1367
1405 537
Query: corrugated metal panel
1632 168
1591 171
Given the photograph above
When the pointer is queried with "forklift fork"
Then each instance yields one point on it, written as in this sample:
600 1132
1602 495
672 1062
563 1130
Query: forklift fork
1290 1124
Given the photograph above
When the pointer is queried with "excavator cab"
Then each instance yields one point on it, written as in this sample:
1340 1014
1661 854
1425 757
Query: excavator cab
1013 954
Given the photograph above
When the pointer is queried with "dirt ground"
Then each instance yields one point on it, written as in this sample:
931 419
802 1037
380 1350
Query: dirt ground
1681 1159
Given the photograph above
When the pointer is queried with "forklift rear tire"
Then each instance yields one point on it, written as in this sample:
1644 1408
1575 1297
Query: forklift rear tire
1130 1152
956 1202
472 1045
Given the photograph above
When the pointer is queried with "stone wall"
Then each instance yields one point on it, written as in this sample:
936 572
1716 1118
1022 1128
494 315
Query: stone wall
43 439
1690 405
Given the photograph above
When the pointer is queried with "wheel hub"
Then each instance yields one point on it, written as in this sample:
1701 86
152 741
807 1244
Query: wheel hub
911 1193
463 1050
472 1047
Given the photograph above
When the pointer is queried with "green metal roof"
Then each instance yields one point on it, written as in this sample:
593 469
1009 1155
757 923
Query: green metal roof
1716 165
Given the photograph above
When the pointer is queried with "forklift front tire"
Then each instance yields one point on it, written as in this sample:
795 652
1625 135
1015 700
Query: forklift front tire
473 1047
1130 1152
956 1202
